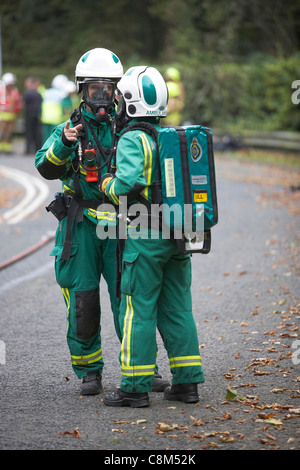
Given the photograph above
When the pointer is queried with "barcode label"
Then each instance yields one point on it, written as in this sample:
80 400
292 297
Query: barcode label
170 178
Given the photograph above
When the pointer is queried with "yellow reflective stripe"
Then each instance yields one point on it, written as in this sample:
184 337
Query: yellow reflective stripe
147 366
185 361
53 158
67 189
125 347
66 295
138 370
148 163
111 216
89 359
7 116
111 192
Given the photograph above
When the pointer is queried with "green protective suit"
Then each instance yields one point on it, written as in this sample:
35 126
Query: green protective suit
90 257
155 283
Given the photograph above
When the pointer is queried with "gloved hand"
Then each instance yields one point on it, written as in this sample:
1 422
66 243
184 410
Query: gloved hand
104 180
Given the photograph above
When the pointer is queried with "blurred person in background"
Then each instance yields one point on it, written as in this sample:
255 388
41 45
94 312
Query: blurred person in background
10 106
70 101
32 115
176 97
52 110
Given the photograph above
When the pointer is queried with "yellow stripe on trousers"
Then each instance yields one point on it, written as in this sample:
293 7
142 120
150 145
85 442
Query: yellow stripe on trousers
138 370
66 295
125 348
185 361
126 368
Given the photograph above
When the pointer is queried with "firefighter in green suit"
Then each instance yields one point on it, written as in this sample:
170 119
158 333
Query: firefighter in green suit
156 277
79 152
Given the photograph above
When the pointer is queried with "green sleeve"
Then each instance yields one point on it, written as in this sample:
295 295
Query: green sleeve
54 159
130 175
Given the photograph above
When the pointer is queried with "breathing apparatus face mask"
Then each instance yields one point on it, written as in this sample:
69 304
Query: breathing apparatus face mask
99 96
122 117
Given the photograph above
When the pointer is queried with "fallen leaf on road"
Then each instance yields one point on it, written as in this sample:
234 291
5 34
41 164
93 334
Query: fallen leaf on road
295 411
261 372
197 422
163 427
272 421
225 417
270 437
230 393
265 416
74 433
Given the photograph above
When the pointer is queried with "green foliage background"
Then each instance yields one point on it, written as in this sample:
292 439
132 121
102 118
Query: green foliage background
237 58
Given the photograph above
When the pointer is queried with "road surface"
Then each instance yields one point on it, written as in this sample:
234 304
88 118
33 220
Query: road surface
246 307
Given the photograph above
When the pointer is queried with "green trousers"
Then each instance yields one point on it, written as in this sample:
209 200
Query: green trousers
79 278
156 293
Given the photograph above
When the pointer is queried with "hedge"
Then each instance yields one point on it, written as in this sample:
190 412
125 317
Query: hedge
237 96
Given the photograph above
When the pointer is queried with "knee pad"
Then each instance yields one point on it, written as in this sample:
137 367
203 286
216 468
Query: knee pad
87 313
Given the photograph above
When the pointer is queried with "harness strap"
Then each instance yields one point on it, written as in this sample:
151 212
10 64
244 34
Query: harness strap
119 255
75 210
66 253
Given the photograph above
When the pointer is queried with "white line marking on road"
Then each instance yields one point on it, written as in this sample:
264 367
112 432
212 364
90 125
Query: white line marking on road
36 193
26 277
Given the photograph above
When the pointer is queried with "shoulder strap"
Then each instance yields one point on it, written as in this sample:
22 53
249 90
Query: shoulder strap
153 132
141 126
107 154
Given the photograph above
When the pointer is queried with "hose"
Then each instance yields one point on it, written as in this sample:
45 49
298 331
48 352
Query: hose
44 240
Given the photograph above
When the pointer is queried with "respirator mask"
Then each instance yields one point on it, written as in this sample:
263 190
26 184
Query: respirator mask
122 117
99 96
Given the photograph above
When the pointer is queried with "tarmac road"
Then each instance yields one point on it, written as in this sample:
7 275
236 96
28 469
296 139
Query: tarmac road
247 311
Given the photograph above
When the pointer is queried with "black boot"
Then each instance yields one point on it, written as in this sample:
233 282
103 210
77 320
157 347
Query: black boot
159 383
188 393
91 384
120 398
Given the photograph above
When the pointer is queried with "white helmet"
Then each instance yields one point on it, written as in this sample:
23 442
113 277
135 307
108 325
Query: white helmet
9 78
144 92
97 64
59 81
70 87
